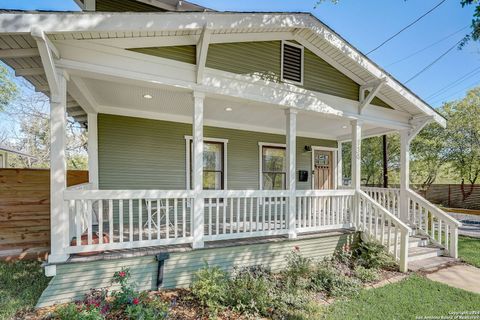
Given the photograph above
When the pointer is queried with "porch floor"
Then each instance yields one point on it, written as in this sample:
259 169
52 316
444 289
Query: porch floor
154 250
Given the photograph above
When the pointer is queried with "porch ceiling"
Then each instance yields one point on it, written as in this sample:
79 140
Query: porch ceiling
177 105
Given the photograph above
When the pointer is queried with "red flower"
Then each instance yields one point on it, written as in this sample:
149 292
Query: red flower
135 301
297 248
121 274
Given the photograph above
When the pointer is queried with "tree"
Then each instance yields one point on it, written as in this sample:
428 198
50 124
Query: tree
463 138
475 26
428 155
8 89
29 117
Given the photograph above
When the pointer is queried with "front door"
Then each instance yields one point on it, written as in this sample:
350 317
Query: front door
322 169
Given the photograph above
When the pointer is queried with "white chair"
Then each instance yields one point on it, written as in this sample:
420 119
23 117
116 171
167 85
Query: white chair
155 210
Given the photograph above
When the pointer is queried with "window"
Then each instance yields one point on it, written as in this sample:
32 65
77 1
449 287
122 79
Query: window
292 63
214 157
273 167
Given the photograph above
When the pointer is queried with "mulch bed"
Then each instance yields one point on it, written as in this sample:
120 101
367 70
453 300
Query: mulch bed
184 307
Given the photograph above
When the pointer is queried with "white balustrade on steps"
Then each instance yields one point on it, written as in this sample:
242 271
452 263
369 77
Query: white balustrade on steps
389 198
380 224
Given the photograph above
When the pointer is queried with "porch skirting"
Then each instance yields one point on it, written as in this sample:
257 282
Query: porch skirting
78 275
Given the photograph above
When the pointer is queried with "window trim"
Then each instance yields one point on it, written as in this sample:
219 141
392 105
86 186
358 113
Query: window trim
188 140
302 63
261 145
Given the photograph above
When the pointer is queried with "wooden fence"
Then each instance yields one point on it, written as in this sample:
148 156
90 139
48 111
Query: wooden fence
25 211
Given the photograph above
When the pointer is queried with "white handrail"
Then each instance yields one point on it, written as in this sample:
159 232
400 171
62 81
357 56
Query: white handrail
434 209
376 221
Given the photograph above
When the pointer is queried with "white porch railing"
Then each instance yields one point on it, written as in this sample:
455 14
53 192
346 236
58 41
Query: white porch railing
389 198
433 222
324 209
425 216
382 225
119 219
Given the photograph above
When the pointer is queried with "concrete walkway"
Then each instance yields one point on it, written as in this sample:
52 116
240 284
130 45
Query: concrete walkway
460 276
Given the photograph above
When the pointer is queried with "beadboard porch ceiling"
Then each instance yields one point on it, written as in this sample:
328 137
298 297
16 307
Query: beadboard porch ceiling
177 105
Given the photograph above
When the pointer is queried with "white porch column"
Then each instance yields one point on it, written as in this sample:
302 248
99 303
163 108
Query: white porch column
59 217
356 153
356 165
404 173
93 150
339 165
291 118
197 170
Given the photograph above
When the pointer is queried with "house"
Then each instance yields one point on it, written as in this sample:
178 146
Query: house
4 151
214 136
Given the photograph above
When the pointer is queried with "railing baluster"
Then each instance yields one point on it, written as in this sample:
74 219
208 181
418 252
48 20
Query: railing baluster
251 214
100 221
120 219
167 218
149 217
159 221
275 213
110 220
89 221
130 220
175 218
245 214
140 213
389 235
238 215
231 215
257 225
184 215
217 214
78 222
224 215
209 216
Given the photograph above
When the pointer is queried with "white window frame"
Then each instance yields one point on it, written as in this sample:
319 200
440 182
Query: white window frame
334 164
260 158
302 63
188 141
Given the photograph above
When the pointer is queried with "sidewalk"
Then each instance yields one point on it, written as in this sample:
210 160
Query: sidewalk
462 276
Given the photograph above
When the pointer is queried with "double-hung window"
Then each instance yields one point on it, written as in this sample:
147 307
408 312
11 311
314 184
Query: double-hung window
273 160
214 158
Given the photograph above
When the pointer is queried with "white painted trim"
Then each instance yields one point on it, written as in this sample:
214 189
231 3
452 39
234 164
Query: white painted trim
188 139
47 56
260 165
202 51
334 164
93 150
80 92
302 64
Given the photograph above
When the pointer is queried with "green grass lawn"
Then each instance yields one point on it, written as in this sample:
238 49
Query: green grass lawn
413 297
21 284
469 250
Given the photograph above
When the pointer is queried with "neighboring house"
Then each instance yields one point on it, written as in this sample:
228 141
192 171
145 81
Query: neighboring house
214 136
4 151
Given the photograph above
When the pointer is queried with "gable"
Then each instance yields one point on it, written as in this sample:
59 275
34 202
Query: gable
263 59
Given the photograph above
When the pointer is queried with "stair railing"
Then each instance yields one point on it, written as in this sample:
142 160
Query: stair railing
433 222
383 226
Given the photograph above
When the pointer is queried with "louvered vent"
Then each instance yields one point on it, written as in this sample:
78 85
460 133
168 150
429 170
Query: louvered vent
292 63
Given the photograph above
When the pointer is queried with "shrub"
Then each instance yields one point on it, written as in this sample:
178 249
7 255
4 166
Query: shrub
297 265
73 311
252 291
330 280
210 286
143 309
371 254
366 275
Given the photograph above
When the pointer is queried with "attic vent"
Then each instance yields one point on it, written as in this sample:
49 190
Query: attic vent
292 63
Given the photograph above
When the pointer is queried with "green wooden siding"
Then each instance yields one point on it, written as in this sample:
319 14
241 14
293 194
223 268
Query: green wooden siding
263 59
136 153
185 54
124 6
73 280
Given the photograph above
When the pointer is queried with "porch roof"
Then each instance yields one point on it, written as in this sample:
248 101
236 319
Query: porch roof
19 48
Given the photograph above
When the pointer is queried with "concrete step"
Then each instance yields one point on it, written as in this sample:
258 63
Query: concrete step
415 242
431 264
421 253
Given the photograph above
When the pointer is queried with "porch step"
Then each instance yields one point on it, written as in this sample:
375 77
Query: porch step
422 253
418 241
431 264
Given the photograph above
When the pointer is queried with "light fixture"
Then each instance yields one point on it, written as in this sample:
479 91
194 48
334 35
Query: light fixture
344 127
228 109
147 96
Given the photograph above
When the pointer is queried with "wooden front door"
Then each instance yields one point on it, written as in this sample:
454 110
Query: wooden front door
323 169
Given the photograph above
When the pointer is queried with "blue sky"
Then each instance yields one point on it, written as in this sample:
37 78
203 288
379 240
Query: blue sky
366 24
